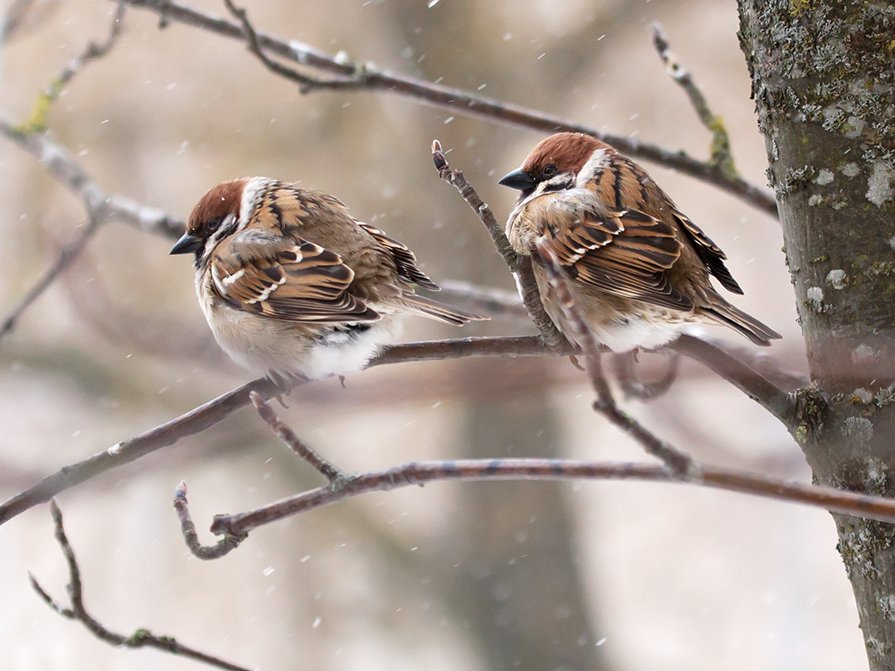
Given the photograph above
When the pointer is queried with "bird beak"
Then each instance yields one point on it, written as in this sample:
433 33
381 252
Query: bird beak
518 180
187 244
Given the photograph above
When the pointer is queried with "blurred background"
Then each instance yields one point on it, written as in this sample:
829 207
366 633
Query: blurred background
612 576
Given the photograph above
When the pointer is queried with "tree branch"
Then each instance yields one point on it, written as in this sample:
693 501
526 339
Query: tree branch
519 265
420 473
141 638
721 155
100 207
214 411
37 121
368 77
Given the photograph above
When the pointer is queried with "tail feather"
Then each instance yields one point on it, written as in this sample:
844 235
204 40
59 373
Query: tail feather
435 310
724 313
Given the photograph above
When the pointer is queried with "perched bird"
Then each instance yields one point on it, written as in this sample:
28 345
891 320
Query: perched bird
291 284
639 268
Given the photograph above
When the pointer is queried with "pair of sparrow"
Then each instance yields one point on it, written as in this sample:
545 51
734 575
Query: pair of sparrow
292 284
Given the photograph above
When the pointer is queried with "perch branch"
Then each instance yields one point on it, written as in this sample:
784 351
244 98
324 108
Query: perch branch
139 639
214 411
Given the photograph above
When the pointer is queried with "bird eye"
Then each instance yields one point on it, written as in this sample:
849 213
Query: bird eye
549 170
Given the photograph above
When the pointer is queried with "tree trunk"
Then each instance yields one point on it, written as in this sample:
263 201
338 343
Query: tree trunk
823 79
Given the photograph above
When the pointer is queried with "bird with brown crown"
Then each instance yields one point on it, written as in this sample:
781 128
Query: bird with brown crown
292 284
638 267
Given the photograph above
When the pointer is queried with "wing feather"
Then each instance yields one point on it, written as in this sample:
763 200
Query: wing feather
625 253
285 278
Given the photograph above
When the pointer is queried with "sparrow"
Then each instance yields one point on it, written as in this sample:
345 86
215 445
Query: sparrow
292 285
638 267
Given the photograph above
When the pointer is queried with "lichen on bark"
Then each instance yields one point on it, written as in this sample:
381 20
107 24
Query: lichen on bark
823 81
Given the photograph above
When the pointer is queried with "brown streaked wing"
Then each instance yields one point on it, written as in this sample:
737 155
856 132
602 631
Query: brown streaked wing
709 253
405 260
623 253
286 278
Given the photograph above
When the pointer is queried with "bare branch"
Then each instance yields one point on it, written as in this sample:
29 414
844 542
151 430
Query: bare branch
296 444
368 77
748 380
66 256
624 370
37 121
519 265
214 411
420 473
100 207
721 155
205 552
679 463
306 83
60 164
140 638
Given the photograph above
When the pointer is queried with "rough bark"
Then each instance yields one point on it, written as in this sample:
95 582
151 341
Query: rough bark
823 79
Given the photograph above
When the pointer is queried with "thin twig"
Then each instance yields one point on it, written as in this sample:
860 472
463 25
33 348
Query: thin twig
680 464
457 101
205 552
296 444
141 638
37 121
519 265
100 207
625 373
721 154
306 83
419 473
67 255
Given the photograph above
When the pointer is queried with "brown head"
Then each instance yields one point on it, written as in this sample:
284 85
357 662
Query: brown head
217 211
558 158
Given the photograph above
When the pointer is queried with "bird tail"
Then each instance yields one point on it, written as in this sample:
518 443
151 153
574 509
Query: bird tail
724 313
435 310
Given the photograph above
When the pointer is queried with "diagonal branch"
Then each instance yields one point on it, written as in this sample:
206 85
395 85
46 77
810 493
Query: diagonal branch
217 410
679 463
368 77
296 444
37 121
67 255
519 265
721 155
141 638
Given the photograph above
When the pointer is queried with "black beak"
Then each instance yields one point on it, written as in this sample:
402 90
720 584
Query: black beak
186 245
518 180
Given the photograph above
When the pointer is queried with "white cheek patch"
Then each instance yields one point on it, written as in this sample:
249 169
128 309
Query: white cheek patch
251 195
597 162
